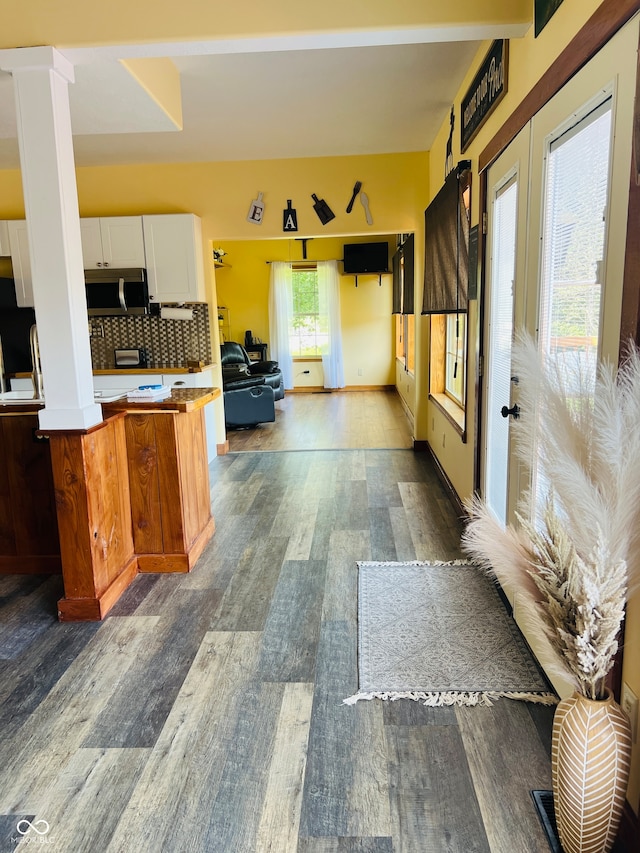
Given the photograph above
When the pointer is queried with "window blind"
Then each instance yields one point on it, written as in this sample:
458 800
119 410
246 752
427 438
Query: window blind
396 268
446 265
408 279
403 266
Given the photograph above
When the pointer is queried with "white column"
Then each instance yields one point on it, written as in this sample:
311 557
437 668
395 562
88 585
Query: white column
41 76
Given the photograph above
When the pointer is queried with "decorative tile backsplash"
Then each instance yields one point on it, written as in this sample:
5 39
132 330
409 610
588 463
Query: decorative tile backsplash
168 343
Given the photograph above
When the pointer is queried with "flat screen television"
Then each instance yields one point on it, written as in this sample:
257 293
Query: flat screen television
361 258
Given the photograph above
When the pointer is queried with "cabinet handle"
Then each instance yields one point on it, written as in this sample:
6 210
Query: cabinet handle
106 263
99 264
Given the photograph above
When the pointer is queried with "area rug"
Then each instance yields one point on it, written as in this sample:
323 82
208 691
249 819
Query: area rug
438 633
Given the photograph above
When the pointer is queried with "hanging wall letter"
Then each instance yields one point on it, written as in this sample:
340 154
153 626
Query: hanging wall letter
325 214
256 211
289 218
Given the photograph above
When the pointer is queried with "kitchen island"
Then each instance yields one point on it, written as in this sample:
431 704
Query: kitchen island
168 477
130 494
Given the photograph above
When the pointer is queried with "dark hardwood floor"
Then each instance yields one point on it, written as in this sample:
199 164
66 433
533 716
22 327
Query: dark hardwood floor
205 713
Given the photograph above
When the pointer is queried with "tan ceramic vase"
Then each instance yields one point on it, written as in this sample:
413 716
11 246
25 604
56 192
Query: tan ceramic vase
590 758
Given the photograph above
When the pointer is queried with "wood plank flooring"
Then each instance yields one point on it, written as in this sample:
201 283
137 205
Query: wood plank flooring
205 713
330 421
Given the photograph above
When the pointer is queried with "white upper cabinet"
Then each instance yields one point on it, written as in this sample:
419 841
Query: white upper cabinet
112 241
21 262
175 268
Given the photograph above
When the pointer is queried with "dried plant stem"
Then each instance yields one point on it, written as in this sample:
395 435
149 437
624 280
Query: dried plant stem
575 567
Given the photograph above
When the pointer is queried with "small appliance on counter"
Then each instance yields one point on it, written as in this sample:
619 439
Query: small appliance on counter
130 358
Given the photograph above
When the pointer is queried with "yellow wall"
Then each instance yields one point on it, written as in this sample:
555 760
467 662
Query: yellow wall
220 193
76 22
243 287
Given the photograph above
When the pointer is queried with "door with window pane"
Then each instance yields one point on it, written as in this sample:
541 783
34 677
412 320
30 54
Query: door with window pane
506 249
572 260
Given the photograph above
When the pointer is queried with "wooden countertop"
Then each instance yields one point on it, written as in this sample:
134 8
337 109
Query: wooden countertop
180 400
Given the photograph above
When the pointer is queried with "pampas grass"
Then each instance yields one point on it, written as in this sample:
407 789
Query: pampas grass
574 567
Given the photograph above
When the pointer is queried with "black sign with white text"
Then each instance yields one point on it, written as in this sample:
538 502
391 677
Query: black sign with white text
487 89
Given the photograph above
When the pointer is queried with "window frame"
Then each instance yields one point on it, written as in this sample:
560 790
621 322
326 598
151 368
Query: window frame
296 355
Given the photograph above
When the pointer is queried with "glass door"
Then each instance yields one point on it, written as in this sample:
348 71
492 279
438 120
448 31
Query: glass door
572 263
507 183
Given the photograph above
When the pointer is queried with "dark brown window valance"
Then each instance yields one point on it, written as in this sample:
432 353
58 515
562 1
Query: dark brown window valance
446 263
403 278
397 284
408 279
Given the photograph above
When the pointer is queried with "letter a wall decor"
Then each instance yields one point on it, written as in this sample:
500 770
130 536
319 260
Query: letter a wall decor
289 218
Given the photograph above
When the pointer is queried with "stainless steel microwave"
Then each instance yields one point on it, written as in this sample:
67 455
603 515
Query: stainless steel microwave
116 291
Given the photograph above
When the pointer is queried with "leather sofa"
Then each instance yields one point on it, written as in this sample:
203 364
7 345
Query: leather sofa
237 367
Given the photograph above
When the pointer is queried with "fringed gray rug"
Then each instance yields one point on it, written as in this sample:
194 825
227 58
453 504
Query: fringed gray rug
439 634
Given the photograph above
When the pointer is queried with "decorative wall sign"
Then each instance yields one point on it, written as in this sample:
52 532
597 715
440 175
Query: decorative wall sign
364 200
356 189
448 159
325 214
256 211
544 11
486 91
289 218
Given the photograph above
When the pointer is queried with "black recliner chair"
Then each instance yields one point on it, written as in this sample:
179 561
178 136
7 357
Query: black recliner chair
237 366
248 392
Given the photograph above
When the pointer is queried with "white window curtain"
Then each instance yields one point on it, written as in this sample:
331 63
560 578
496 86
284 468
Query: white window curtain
280 313
329 299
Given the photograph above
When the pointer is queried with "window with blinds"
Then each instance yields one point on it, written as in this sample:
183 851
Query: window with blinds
573 242
572 269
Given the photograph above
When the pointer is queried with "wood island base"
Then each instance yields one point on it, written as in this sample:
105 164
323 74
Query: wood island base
177 562
95 609
91 485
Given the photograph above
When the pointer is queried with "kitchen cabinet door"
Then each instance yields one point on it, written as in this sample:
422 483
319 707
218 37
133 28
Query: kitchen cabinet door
91 243
21 262
112 241
175 268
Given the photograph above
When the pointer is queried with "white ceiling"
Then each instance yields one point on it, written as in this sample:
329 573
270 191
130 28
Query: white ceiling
326 101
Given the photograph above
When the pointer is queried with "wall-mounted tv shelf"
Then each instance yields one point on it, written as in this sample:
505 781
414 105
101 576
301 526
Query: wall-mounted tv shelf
379 274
